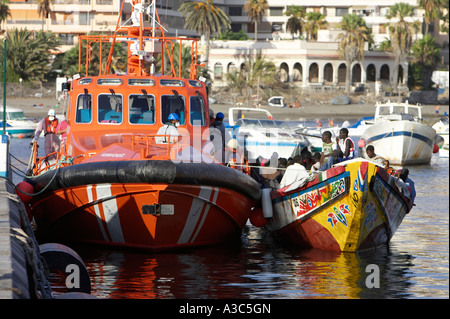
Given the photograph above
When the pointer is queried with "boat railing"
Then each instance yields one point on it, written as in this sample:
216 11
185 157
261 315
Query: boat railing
37 165
147 141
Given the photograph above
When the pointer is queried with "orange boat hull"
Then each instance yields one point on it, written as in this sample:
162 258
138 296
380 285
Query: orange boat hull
145 216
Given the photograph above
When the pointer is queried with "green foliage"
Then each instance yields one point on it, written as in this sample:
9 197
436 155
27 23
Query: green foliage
230 35
28 54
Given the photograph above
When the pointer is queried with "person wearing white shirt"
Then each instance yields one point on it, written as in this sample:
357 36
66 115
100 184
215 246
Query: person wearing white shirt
294 172
170 129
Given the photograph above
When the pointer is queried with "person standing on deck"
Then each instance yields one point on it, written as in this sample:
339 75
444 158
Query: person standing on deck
170 128
49 126
220 137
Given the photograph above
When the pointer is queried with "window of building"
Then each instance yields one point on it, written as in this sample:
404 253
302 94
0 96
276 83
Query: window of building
276 11
235 11
340 12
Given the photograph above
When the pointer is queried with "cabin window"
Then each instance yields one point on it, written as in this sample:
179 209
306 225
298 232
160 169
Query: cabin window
197 111
399 109
109 108
173 104
414 112
141 109
141 82
385 110
84 109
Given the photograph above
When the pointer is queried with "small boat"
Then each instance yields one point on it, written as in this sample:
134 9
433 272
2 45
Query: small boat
260 135
441 128
116 180
399 135
17 125
276 101
354 206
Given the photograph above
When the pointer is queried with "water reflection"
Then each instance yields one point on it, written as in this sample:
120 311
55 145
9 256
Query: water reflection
257 269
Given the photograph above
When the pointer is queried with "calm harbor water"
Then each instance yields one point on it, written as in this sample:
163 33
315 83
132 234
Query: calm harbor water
414 265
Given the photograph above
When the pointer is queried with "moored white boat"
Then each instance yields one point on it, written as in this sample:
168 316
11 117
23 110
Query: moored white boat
17 125
259 134
441 128
399 135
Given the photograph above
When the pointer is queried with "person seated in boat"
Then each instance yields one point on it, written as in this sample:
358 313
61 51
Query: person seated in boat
370 151
294 172
270 172
316 166
170 128
49 126
346 147
307 159
329 152
220 136
404 173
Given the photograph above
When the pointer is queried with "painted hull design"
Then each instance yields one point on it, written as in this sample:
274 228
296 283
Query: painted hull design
347 208
152 216
402 142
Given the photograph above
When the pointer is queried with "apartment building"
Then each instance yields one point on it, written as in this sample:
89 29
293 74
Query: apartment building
291 53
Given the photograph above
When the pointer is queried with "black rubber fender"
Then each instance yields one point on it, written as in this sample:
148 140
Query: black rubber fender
60 257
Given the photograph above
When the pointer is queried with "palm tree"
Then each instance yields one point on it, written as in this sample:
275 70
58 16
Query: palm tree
28 54
44 9
256 10
432 11
426 53
351 42
401 35
315 21
294 23
205 18
258 72
4 11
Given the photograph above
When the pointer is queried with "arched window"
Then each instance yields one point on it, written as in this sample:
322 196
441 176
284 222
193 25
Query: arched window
341 73
314 73
218 71
356 73
384 72
328 73
298 72
284 72
371 73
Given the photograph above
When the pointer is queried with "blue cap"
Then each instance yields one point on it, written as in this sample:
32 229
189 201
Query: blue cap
173 116
220 115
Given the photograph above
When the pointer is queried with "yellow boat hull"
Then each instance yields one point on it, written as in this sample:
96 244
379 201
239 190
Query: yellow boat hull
352 207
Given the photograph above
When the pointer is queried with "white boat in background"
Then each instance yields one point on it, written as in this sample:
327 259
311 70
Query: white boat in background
399 135
259 135
441 128
17 125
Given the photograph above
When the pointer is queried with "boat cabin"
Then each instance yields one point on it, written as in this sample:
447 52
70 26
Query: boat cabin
103 110
398 111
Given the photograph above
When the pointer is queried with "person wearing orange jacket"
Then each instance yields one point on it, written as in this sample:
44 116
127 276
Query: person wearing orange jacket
48 126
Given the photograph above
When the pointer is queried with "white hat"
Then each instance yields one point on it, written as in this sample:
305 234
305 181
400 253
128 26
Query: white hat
51 112
233 143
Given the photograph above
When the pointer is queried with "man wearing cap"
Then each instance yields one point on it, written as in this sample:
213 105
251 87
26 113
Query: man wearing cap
49 126
170 128
219 136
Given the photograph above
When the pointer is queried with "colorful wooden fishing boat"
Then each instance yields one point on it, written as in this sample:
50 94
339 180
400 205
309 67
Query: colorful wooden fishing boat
114 183
353 206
